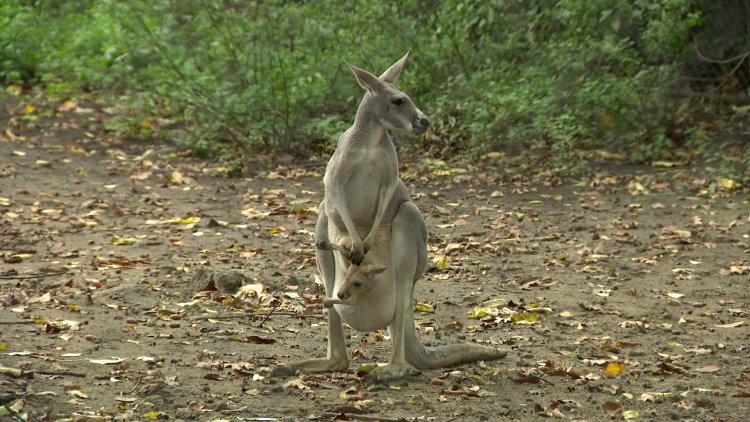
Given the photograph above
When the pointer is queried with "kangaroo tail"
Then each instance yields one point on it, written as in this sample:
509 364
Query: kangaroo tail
422 357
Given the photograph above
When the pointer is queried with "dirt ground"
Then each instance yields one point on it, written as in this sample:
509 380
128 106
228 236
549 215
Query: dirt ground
621 296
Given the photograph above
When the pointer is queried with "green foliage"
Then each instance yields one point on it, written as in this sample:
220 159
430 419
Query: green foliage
544 79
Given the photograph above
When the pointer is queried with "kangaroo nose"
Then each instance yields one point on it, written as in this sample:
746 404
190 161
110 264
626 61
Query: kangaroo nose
343 295
424 121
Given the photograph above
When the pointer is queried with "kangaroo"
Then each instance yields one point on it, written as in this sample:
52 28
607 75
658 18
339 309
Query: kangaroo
364 196
361 178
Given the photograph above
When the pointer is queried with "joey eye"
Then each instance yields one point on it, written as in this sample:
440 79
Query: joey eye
397 100
357 284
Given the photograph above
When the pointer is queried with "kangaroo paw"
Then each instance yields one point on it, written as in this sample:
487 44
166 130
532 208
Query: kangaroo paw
330 301
356 256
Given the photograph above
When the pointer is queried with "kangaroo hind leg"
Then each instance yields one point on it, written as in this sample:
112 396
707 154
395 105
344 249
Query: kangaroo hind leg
408 261
336 359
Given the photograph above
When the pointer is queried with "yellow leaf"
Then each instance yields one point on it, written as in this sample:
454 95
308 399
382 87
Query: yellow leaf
632 414
738 269
30 109
276 230
152 415
15 89
442 262
4 346
424 308
254 214
682 234
479 313
68 106
176 177
727 183
186 220
613 369
524 318
121 241
78 394
146 125
636 186
367 368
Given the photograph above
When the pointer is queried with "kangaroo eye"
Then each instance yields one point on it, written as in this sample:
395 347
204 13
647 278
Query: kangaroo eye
398 101
357 284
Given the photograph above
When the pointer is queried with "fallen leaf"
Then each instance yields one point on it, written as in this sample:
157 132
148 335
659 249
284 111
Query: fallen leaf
613 369
78 394
122 241
153 415
441 262
632 414
110 361
611 406
260 340
711 367
730 325
424 307
524 318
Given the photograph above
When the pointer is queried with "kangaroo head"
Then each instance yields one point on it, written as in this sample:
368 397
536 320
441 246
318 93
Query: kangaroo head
359 279
386 103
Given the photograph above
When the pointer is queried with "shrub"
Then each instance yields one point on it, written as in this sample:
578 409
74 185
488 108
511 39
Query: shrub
550 79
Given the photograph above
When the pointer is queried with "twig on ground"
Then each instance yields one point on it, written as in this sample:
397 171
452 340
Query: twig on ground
238 316
66 373
365 417
17 322
26 277
275 306
14 414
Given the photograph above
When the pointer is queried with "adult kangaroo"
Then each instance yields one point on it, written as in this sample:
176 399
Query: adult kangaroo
367 207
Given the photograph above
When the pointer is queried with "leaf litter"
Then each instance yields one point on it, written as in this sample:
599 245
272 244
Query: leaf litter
621 287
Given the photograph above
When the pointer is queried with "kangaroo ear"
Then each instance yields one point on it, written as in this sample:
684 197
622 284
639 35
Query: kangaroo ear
366 79
376 269
392 73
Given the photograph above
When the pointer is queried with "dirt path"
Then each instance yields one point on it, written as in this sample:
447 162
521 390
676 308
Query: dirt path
622 296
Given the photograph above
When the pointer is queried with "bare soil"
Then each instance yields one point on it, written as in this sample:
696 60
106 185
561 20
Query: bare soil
622 295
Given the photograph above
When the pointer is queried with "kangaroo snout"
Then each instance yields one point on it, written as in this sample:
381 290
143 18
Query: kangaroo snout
420 124
343 294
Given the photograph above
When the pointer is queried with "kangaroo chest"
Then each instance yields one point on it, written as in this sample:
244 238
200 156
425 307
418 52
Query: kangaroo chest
357 178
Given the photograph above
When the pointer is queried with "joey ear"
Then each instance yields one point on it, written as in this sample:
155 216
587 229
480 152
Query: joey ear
376 269
366 79
392 73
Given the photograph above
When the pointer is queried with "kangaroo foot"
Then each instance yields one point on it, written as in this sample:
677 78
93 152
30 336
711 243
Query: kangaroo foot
311 365
387 373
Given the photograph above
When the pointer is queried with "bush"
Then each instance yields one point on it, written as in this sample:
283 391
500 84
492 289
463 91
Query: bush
550 79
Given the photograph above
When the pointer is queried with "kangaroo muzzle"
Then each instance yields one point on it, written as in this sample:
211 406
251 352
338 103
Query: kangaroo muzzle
343 294
420 124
